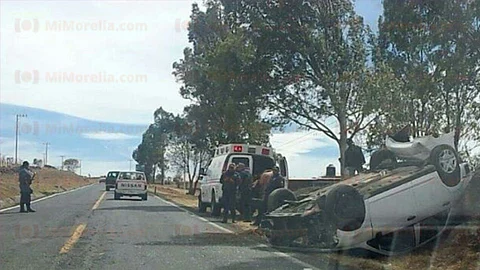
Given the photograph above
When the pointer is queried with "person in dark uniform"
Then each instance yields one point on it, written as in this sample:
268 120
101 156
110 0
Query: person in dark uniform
277 181
354 158
25 177
229 181
245 189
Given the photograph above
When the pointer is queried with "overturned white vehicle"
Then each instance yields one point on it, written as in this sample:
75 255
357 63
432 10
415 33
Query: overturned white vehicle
393 208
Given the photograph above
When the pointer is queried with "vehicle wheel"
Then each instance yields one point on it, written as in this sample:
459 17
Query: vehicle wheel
216 208
107 188
278 197
345 207
202 207
116 196
446 161
380 158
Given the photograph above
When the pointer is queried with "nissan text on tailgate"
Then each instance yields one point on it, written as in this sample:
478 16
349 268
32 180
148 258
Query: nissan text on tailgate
131 184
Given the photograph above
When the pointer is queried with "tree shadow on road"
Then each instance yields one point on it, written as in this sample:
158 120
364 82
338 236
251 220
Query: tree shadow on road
146 208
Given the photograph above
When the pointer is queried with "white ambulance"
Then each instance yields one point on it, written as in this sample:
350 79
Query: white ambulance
256 158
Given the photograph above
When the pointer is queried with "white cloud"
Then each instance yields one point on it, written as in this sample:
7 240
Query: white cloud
295 146
7 147
297 143
108 136
308 166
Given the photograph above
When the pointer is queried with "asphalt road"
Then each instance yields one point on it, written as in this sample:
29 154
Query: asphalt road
87 229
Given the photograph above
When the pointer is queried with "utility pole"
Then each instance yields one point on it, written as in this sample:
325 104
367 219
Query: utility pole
62 156
46 152
16 136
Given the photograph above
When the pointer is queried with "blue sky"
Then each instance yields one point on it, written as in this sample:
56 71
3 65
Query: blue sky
105 76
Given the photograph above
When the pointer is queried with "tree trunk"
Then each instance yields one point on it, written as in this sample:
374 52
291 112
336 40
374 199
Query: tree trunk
190 186
342 143
148 172
162 174
154 174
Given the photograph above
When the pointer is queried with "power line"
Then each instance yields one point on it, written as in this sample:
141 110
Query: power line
311 132
296 139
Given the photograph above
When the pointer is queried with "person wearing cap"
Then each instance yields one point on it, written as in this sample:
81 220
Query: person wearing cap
25 177
229 181
245 188
354 158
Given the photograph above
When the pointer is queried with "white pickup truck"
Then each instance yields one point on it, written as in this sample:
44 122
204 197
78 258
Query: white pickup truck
131 183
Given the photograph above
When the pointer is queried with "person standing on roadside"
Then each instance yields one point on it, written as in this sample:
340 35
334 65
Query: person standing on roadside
354 158
229 181
245 188
25 178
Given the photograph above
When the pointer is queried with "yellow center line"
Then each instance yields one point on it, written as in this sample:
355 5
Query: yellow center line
73 239
79 230
95 206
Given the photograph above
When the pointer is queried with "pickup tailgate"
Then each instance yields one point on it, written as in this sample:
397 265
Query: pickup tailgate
131 185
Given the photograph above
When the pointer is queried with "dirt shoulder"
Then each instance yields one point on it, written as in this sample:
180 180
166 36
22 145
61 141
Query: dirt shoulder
47 181
458 248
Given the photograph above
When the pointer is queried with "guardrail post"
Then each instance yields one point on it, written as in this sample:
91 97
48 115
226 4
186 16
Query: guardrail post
155 191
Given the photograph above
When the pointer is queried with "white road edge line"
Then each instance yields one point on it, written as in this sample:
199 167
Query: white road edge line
197 216
46 197
278 253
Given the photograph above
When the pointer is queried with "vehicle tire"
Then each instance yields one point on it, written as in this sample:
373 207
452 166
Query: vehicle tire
216 208
202 207
380 156
447 163
278 197
345 206
107 188
116 196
